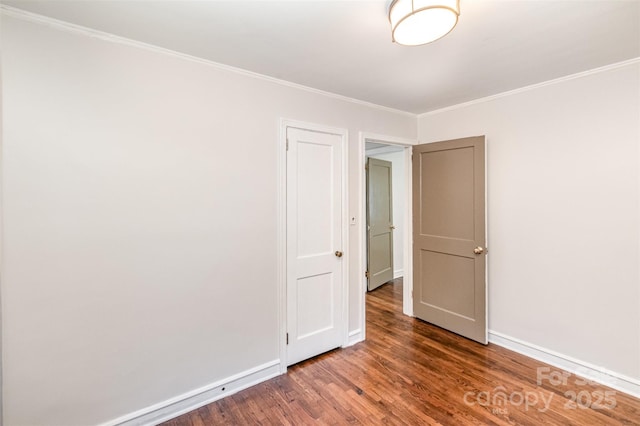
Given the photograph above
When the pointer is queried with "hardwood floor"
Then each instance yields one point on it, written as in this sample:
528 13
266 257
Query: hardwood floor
410 372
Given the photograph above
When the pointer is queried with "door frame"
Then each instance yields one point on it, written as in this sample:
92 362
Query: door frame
281 229
407 298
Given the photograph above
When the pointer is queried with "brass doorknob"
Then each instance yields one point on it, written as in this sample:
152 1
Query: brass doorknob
478 250
338 254
392 227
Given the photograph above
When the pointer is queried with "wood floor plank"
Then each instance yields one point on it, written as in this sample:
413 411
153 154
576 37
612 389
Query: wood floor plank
411 372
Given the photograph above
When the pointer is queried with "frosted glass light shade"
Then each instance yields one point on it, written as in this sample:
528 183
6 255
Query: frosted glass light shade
415 22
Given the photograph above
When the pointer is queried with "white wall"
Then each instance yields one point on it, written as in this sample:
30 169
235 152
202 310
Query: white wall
139 195
398 189
564 219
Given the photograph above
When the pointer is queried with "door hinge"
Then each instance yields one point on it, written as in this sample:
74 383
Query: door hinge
366 274
287 338
287 144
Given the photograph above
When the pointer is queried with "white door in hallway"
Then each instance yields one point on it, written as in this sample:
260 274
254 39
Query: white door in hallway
315 294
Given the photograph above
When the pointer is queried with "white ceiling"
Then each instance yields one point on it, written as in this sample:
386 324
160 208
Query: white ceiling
344 47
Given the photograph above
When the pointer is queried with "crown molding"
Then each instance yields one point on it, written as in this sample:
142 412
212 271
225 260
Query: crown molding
570 77
78 29
101 35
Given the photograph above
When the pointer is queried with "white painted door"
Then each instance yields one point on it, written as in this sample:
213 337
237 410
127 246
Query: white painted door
315 323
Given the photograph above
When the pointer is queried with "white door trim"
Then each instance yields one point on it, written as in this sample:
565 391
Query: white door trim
407 300
281 229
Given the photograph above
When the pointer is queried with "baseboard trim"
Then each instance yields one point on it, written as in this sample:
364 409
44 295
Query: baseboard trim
398 273
355 336
197 398
575 366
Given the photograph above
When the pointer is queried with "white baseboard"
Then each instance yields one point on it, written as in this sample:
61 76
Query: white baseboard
398 273
575 366
355 336
190 401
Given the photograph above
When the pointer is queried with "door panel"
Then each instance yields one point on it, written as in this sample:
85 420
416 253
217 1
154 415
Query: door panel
314 234
314 295
315 197
449 223
447 182
379 222
444 282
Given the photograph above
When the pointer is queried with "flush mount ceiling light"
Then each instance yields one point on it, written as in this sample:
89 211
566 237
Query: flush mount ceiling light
416 22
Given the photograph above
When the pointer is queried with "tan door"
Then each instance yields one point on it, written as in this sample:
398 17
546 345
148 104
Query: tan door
449 254
379 223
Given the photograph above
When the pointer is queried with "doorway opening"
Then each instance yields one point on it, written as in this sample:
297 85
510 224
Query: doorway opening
385 208
396 151
456 221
